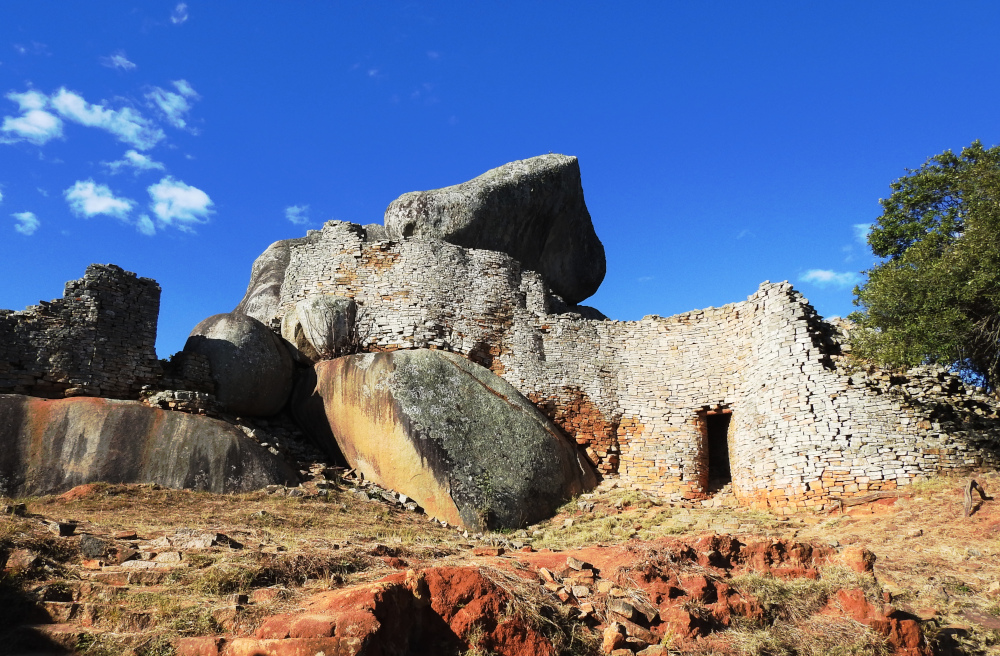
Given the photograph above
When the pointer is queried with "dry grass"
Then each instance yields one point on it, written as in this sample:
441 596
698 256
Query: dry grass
817 635
930 558
539 609
620 515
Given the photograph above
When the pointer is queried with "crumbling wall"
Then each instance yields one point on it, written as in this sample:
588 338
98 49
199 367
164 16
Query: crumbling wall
812 430
98 340
634 395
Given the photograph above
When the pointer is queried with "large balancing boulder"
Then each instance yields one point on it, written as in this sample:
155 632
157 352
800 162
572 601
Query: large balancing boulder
532 209
50 445
251 366
462 442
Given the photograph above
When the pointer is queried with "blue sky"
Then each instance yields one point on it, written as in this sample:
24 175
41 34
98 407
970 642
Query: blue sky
721 143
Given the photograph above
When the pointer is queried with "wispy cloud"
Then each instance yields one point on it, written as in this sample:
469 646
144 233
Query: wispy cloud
645 278
174 105
178 204
861 231
35 125
34 48
136 161
179 14
145 225
88 199
118 60
297 214
126 124
828 278
27 223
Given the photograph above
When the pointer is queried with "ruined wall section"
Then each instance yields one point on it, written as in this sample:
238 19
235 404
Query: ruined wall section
413 293
631 393
805 431
98 340
675 369
568 367
810 432
634 395
481 304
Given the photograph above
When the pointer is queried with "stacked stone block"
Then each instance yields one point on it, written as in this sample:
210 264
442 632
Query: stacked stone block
98 340
635 395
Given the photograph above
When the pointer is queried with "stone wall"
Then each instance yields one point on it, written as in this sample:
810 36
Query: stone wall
98 340
636 396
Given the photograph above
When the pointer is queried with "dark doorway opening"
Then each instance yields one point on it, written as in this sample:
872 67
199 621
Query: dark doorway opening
717 427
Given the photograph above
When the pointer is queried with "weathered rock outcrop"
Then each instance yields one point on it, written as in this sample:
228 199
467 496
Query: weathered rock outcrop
321 327
251 367
450 434
531 209
50 446
437 610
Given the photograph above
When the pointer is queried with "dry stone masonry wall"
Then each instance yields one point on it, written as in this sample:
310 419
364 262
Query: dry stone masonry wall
802 428
636 396
98 340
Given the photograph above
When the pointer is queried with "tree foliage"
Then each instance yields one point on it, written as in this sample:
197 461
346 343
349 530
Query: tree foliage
935 295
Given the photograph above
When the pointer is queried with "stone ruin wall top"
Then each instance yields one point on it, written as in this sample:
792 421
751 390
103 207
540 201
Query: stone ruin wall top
99 339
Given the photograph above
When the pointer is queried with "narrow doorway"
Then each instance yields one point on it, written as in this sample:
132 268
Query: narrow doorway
717 428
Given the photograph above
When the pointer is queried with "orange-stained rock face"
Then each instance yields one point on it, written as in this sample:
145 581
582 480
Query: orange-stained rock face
450 434
51 446
393 616
373 434
900 628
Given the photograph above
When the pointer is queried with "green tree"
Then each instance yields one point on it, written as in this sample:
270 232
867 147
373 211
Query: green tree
935 295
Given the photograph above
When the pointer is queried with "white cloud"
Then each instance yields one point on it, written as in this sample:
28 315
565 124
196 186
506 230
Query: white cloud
828 278
861 231
35 48
297 214
1 196
35 123
180 13
118 60
136 161
174 105
644 278
27 222
145 225
127 124
88 199
178 204
185 88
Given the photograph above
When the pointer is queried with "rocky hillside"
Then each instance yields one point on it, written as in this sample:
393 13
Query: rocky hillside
338 566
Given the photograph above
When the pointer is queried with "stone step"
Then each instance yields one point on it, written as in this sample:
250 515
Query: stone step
134 576
89 615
